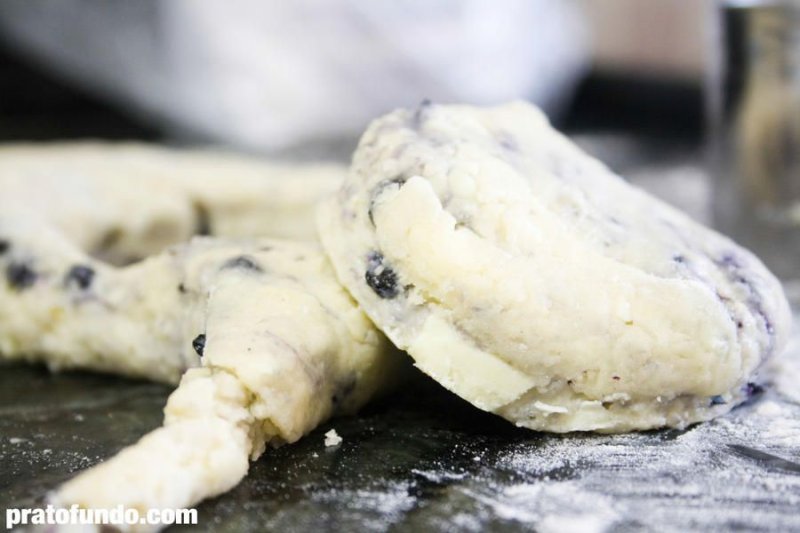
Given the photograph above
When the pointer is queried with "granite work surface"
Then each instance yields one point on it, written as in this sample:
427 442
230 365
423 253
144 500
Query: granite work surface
423 460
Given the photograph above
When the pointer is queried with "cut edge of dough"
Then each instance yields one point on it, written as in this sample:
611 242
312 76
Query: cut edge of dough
473 374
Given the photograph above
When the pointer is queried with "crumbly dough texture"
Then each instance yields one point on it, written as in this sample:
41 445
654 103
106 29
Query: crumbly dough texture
283 348
527 278
126 201
267 342
68 212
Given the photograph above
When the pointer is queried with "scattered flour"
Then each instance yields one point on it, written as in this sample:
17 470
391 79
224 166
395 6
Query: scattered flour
377 509
556 507
332 438
717 473
738 472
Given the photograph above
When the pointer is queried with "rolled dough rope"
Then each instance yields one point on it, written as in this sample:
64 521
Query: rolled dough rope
529 279
281 343
283 347
124 202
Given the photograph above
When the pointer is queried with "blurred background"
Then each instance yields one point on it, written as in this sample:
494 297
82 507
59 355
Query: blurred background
642 85
697 101
273 76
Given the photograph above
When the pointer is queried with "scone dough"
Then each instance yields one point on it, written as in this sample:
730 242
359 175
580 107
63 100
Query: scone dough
67 212
126 201
269 344
526 277
283 348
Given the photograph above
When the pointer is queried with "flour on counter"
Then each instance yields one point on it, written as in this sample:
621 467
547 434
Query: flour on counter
738 471
332 438
721 472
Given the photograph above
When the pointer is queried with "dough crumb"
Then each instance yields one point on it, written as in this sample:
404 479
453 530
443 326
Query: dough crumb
332 438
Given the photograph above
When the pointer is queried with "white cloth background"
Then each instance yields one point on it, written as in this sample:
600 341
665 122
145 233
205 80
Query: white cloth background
272 74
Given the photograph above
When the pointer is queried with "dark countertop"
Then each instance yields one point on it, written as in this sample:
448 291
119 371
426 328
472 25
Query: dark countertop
422 459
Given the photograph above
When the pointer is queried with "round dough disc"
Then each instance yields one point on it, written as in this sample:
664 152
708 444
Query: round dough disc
527 278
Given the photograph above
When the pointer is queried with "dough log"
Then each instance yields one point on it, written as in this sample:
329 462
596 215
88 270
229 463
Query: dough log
268 342
69 212
283 347
527 278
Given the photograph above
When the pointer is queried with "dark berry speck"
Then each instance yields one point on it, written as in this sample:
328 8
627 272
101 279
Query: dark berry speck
718 400
20 275
380 278
752 389
199 344
243 262
729 260
81 276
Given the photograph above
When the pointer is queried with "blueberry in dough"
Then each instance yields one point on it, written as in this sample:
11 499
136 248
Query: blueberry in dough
20 275
380 277
243 262
199 344
81 276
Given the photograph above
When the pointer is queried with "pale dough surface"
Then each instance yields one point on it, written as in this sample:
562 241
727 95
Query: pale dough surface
529 279
127 201
68 211
284 347
265 341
